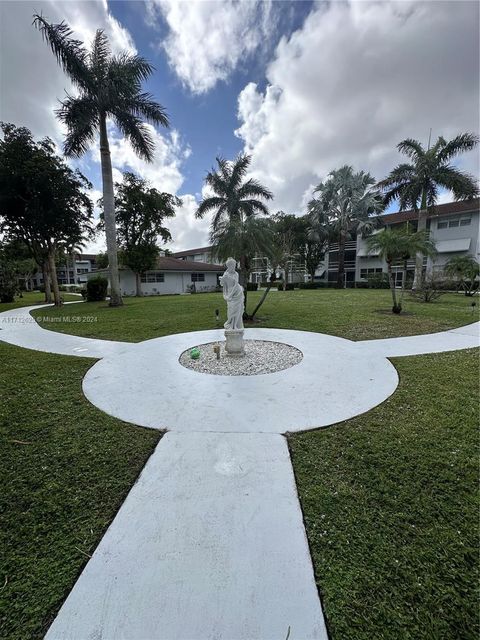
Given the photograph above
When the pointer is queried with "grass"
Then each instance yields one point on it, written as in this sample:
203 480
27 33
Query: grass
355 314
390 501
33 297
390 497
66 469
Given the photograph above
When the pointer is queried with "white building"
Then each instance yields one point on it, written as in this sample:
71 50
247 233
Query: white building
170 276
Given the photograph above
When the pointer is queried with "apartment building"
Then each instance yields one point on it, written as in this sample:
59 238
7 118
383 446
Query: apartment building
74 271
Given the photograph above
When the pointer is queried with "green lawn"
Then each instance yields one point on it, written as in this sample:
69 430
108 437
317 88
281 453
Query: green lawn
66 469
390 498
34 297
390 501
357 314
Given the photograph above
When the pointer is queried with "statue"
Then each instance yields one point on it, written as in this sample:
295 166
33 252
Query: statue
233 295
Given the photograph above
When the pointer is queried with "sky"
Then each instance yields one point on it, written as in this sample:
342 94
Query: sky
303 87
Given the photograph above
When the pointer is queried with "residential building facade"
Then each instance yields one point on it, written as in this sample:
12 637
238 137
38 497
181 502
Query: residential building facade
170 276
73 272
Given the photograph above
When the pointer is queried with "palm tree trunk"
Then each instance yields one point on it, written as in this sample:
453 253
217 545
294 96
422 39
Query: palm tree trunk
53 275
138 283
46 282
74 265
404 281
109 214
262 300
391 281
341 261
422 225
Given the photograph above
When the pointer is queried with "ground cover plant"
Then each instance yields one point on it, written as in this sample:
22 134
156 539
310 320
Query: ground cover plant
356 314
390 501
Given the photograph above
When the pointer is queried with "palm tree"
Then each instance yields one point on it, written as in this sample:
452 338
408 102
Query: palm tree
236 229
346 203
416 184
395 245
108 87
465 269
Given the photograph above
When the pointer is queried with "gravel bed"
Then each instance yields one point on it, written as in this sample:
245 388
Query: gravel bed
260 356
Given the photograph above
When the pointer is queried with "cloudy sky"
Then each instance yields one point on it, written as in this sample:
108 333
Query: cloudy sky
303 87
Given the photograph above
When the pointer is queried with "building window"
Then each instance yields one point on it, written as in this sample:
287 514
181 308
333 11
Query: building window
364 273
453 223
442 225
198 277
465 222
152 276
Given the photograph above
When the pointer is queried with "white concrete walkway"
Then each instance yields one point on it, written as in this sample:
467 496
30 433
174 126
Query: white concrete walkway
18 327
210 543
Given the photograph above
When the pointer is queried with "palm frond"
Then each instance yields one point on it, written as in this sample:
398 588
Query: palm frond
460 144
144 106
100 56
253 188
69 52
462 184
411 148
239 170
208 204
137 134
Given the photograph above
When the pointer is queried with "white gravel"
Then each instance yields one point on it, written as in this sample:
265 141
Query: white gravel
260 356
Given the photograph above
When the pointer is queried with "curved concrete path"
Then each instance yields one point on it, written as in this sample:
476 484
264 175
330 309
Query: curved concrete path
209 543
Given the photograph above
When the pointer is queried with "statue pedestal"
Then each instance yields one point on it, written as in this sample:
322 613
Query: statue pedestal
234 342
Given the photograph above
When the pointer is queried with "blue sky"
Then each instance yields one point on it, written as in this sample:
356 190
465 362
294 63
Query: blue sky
207 122
303 87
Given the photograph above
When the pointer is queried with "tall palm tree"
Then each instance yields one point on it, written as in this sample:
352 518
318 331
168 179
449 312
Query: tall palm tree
345 204
236 229
398 245
416 184
108 87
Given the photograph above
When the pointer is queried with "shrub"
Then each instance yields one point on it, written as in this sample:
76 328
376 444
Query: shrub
430 289
378 281
252 286
7 293
97 289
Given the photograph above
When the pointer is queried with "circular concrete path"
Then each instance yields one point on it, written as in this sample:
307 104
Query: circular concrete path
147 386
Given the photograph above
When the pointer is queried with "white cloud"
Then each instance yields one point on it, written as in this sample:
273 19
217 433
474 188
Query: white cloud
32 82
187 231
208 40
164 172
355 80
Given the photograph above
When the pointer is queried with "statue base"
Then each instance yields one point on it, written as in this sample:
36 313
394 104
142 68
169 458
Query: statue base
234 342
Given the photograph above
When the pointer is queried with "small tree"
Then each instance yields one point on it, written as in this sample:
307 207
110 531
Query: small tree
465 270
141 211
345 204
42 201
416 184
397 245
237 228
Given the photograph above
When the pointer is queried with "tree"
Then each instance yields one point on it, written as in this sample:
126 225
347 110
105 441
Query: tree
465 270
398 245
237 228
346 202
101 260
286 242
416 184
108 87
140 213
42 201
316 236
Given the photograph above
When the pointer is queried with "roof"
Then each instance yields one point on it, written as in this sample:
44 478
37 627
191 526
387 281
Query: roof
167 263
447 209
183 254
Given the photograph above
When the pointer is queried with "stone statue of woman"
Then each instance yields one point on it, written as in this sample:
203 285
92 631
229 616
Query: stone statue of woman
233 295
